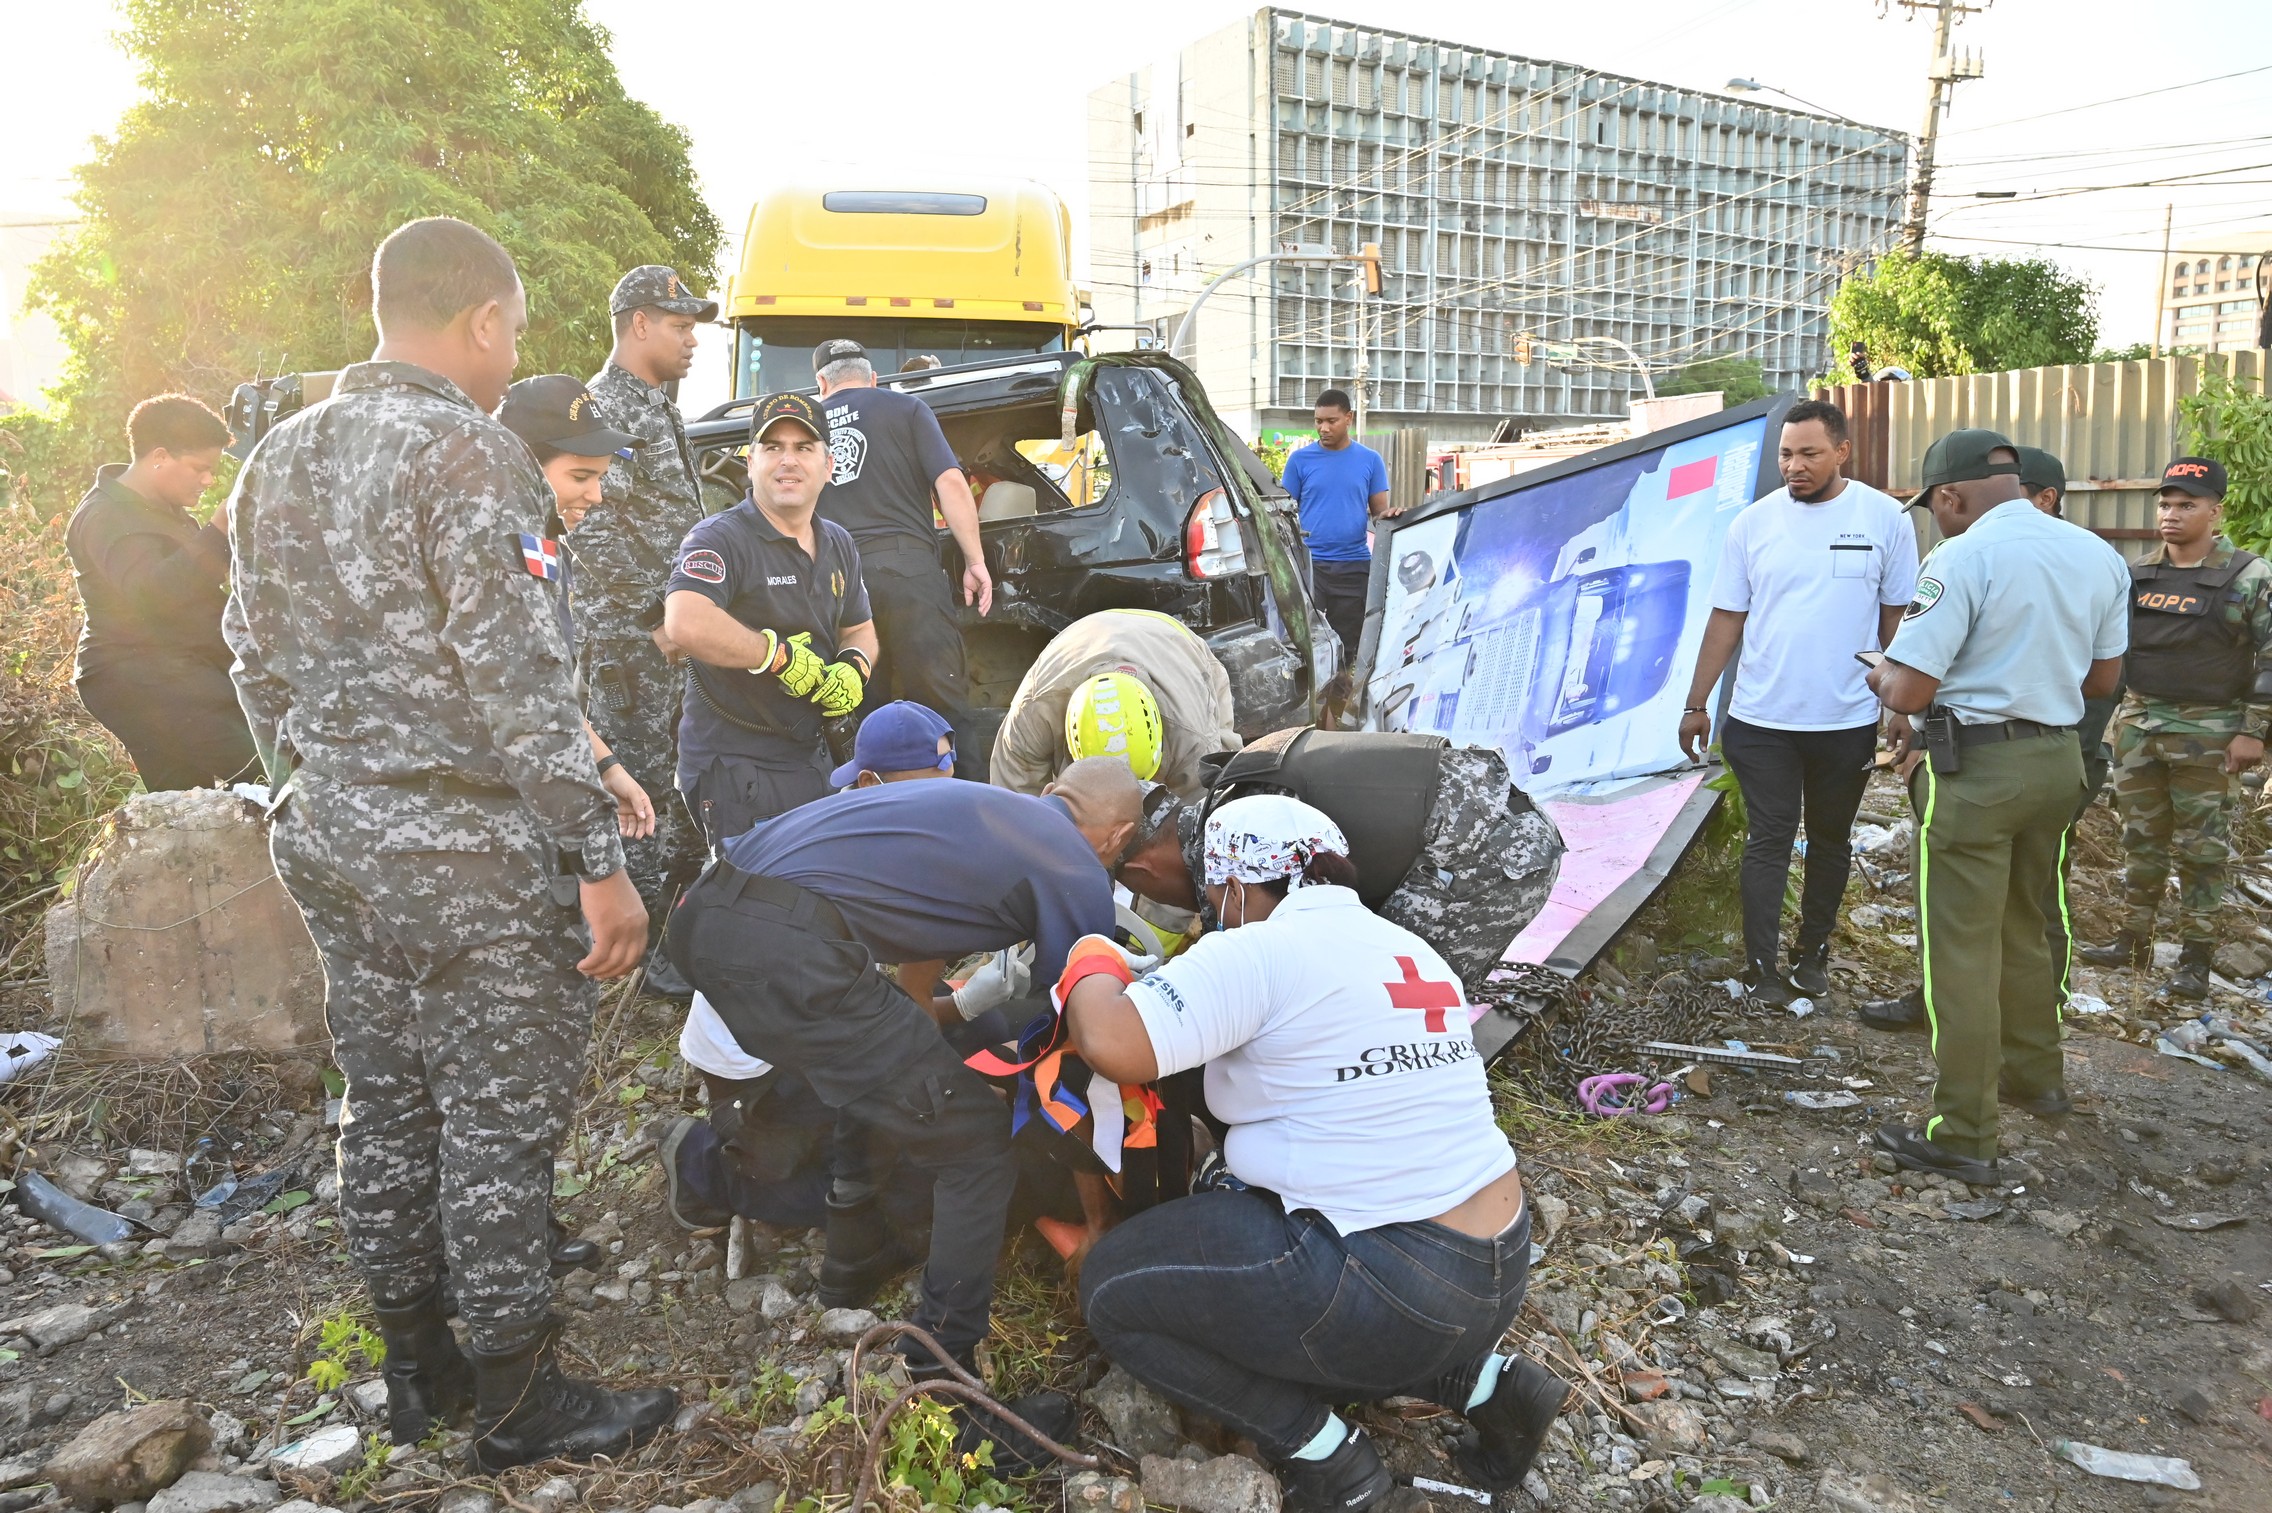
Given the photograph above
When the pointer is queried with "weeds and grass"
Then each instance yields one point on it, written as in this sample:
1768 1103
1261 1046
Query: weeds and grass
345 1347
1542 1127
356 1482
769 1399
1036 1320
920 1457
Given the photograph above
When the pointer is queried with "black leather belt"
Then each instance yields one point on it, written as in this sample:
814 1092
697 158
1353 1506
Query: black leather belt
2006 730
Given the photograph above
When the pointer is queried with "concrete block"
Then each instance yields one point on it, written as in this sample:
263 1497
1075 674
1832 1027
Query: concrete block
180 940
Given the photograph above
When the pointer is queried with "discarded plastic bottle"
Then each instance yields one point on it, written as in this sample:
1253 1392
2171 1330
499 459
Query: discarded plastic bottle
50 1204
2162 1470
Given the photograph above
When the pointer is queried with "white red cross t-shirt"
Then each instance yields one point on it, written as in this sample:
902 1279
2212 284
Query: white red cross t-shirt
1337 1048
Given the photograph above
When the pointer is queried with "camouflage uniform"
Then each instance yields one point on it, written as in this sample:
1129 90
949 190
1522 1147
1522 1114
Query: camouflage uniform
391 638
624 552
1484 870
2169 778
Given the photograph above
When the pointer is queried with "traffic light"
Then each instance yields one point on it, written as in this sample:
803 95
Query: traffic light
1370 256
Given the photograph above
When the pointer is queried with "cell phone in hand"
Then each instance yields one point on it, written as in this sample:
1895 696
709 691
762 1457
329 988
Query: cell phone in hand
1869 658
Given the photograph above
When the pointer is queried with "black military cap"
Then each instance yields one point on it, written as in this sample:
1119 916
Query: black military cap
2201 477
556 410
797 407
653 286
839 350
2040 470
1962 456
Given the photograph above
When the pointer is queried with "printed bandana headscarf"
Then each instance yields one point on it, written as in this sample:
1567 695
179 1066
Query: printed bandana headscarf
1267 837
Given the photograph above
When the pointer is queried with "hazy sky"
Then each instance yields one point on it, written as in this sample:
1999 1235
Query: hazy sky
785 92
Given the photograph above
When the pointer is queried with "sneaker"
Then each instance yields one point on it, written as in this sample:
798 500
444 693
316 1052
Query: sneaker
2048 1104
1810 971
687 1208
1894 1015
1349 1480
1912 1150
1765 987
1511 1424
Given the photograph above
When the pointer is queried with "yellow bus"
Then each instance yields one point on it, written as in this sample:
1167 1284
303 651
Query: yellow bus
963 274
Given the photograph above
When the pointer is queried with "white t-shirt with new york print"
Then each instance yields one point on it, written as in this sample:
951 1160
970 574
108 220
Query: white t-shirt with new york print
1338 1050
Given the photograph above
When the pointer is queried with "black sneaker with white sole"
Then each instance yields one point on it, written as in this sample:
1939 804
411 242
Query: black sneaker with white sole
1810 971
688 1208
1511 1424
1349 1480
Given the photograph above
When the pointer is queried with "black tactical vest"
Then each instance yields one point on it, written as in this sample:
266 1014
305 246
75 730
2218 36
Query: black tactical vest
2182 646
1379 787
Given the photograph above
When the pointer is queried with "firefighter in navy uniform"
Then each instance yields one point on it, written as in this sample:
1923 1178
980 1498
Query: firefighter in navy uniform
2193 720
768 605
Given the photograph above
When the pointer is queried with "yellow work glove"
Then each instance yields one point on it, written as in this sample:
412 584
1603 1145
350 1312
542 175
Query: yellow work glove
803 672
841 688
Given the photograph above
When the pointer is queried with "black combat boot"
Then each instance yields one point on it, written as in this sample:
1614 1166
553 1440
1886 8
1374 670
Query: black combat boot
2191 979
859 1255
1349 1480
2127 949
565 1252
1511 1424
525 1410
429 1381
1810 970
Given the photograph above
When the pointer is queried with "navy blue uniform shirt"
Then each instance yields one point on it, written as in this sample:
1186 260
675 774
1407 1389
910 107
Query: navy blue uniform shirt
935 869
739 562
888 450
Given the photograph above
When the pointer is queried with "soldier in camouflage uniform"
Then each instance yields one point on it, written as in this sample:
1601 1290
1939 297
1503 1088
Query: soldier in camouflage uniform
1486 859
400 663
624 552
2193 719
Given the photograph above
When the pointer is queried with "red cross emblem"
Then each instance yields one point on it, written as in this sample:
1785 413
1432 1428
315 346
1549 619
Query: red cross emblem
1416 992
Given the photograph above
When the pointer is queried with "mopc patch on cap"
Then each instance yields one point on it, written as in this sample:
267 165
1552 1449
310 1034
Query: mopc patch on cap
2202 477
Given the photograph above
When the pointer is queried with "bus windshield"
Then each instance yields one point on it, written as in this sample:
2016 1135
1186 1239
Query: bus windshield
772 353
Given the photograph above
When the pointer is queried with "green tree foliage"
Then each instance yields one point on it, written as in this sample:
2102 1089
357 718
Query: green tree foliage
1740 380
230 220
1938 315
2231 422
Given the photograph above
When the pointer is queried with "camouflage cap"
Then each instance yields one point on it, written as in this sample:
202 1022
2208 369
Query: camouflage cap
653 286
1962 456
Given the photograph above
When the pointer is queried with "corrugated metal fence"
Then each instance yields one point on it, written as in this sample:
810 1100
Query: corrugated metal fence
2113 425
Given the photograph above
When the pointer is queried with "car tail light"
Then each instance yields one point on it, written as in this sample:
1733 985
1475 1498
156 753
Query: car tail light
1214 540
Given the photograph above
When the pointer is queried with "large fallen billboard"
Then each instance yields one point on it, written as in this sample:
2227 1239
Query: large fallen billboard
1556 616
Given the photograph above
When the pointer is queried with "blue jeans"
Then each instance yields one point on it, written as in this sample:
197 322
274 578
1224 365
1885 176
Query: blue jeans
1260 1319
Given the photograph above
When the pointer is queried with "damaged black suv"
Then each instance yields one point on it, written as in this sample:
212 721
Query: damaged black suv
1104 482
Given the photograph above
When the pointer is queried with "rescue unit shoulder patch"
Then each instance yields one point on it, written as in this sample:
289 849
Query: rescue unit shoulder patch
1928 594
541 556
706 566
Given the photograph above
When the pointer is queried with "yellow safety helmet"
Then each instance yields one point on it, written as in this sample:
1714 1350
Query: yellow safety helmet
1114 714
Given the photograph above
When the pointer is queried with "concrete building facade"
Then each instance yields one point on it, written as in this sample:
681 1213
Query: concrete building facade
2209 299
1527 213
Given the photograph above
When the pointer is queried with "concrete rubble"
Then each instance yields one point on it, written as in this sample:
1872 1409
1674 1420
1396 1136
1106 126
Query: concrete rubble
178 941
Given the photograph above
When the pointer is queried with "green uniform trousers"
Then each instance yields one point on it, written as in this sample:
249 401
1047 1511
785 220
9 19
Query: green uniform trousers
2175 795
1988 844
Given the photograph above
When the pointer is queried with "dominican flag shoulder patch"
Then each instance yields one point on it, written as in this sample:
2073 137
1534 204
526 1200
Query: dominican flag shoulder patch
541 555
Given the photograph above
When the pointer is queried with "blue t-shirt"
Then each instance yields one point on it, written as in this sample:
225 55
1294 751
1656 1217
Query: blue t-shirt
1335 491
888 450
738 561
940 868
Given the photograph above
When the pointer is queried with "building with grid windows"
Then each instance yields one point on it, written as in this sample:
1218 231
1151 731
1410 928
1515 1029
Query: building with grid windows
1527 212
2210 301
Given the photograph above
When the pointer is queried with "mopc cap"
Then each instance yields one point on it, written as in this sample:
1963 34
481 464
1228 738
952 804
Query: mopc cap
797 407
1962 456
843 349
2040 470
900 737
653 286
2199 476
555 410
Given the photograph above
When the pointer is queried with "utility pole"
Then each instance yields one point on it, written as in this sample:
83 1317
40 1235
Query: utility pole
2161 292
1368 291
1948 70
